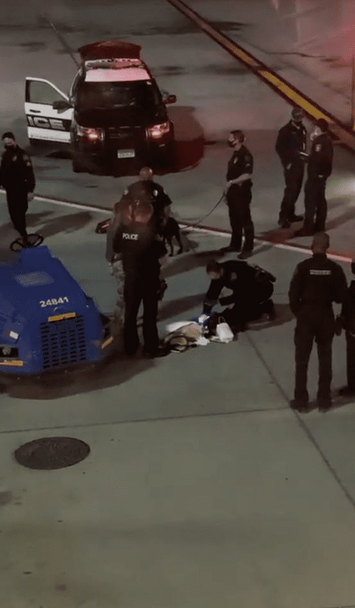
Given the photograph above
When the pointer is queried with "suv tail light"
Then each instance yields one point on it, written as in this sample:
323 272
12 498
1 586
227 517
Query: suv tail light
90 134
158 131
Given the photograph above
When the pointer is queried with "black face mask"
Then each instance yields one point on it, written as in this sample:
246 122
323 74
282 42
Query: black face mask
8 146
230 144
353 267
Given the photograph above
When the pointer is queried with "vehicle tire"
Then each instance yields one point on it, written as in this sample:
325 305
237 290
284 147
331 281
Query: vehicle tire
77 164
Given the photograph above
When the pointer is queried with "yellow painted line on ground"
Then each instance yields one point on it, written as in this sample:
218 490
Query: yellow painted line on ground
244 56
296 97
268 76
214 33
235 50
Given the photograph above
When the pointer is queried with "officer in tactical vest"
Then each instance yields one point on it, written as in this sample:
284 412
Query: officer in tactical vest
142 252
145 189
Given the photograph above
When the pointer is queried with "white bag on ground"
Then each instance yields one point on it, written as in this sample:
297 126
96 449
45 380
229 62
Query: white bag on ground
223 332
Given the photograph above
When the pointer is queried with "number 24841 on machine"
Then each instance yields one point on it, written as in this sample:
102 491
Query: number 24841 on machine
53 301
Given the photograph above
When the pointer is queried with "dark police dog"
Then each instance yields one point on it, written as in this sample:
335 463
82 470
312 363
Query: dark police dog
170 230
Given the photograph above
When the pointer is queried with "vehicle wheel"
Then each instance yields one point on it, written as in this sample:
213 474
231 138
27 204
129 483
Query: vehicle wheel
77 164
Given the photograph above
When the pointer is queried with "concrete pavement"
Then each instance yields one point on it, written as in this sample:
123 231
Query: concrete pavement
202 486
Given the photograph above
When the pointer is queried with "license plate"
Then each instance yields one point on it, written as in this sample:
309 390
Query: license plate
126 153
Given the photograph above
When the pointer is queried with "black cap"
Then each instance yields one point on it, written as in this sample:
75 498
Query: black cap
8 134
322 124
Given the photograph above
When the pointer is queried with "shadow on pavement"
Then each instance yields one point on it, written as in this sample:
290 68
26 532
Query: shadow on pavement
283 315
178 306
187 243
8 234
278 235
186 263
113 371
189 138
341 219
47 227
337 403
65 223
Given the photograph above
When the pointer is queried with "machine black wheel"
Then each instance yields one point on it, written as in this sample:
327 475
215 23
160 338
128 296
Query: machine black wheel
33 240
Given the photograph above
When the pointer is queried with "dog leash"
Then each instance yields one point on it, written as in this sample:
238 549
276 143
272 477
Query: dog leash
188 225
207 214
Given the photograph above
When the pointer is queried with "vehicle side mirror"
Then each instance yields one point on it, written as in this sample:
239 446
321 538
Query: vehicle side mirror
61 105
167 99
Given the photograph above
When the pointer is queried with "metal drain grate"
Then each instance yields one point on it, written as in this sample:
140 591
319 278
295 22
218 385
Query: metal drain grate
52 453
63 342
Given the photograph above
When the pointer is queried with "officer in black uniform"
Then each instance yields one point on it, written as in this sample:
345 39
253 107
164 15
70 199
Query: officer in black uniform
316 283
240 169
146 189
347 320
290 144
142 251
320 164
17 177
250 297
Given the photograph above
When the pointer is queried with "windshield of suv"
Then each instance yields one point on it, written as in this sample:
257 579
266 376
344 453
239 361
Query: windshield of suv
141 94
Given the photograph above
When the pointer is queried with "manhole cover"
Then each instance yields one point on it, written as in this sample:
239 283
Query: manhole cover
52 453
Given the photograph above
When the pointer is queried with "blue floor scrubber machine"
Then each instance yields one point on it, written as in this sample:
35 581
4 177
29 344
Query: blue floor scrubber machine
47 322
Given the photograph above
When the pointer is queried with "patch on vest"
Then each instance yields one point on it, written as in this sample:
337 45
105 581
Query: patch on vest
320 272
130 236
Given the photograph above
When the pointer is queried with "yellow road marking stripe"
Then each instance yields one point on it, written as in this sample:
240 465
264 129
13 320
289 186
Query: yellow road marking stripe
214 33
296 97
286 90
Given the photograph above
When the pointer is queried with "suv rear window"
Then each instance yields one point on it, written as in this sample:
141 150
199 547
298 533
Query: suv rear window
104 95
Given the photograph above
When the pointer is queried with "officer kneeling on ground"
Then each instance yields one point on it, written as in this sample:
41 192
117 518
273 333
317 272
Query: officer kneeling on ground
252 288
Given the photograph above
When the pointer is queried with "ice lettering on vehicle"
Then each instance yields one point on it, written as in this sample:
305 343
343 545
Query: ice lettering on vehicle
46 123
